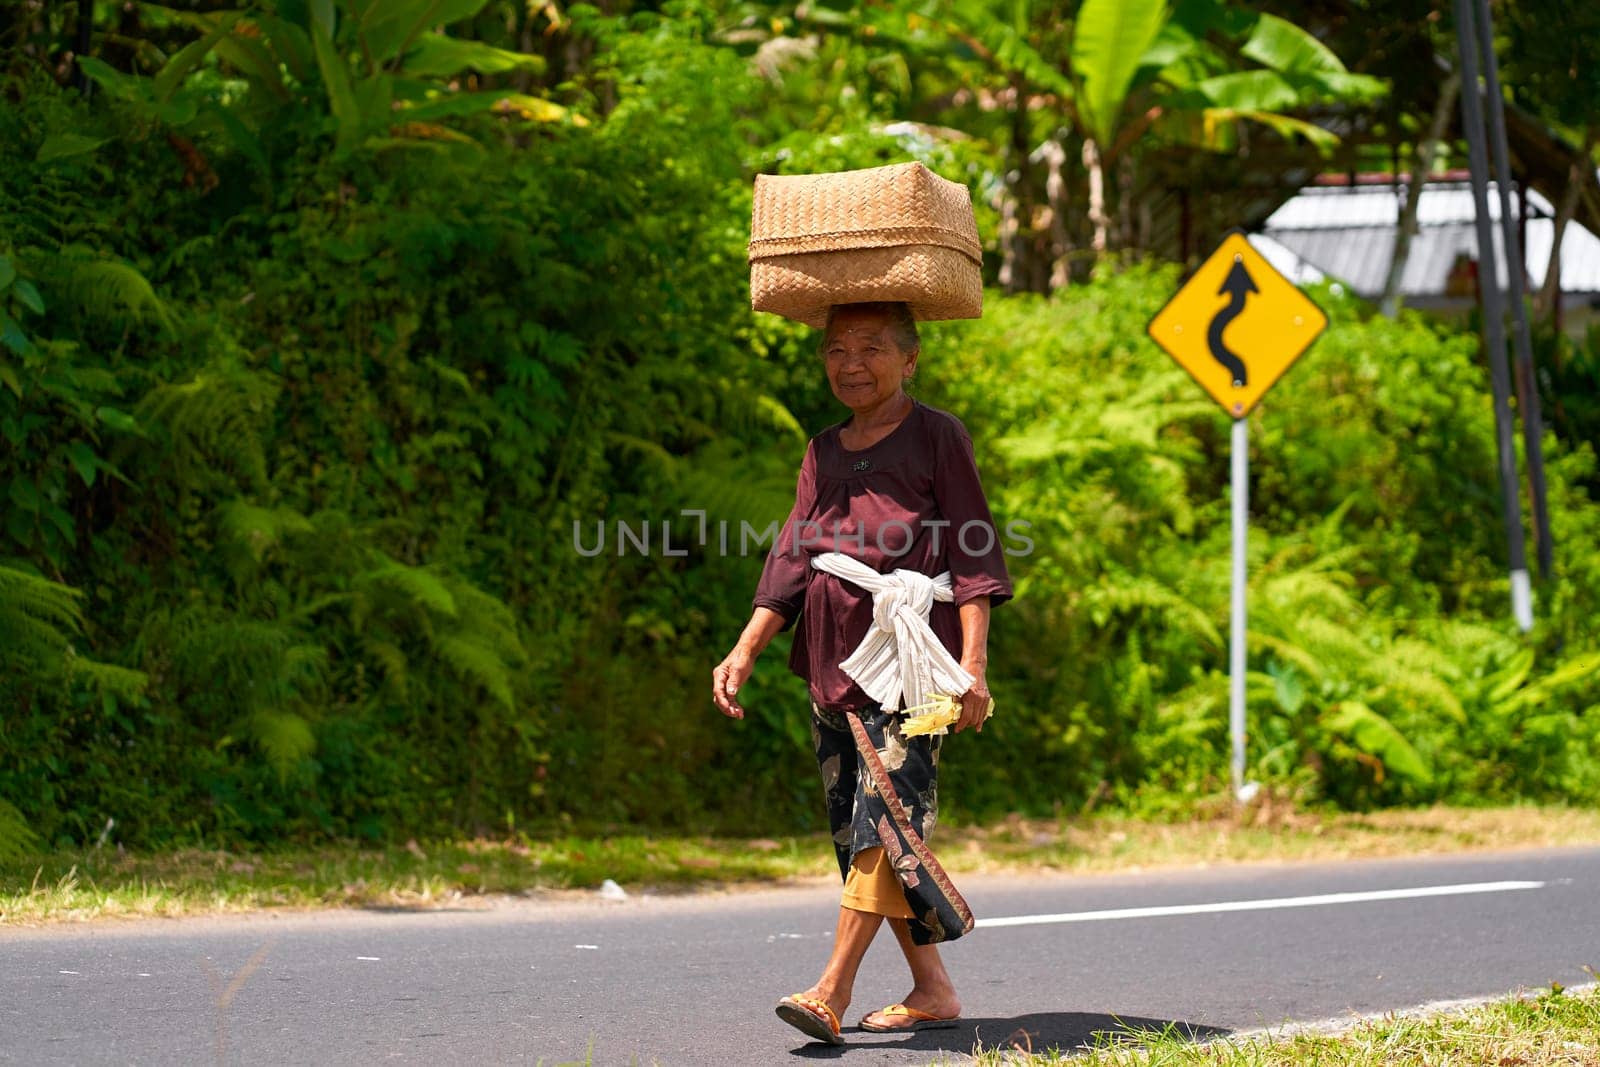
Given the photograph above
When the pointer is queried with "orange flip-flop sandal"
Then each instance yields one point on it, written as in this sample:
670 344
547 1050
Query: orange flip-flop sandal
920 1020
811 1017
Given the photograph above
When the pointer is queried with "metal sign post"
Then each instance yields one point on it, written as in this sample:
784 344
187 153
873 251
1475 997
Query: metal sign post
1237 628
1236 326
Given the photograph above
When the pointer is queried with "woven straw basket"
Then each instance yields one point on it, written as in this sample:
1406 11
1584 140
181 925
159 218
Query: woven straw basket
897 233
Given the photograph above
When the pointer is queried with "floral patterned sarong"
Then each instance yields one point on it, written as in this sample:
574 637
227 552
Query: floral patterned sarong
882 789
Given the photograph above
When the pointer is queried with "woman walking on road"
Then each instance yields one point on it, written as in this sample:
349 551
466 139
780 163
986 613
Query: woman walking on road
887 568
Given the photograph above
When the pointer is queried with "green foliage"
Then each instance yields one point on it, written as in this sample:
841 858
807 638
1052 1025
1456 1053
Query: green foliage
16 839
1192 72
1109 41
376 74
321 489
1378 596
38 619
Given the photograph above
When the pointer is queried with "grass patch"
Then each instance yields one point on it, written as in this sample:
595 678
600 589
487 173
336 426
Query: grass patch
98 883
1269 830
108 882
1553 1029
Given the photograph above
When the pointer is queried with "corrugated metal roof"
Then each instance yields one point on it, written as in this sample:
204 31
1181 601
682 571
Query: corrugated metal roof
1360 256
1285 260
1348 233
1318 207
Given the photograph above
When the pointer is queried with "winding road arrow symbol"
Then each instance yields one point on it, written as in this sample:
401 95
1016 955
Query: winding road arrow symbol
1237 285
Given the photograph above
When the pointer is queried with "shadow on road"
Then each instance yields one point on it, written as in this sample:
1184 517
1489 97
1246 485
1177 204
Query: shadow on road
1039 1032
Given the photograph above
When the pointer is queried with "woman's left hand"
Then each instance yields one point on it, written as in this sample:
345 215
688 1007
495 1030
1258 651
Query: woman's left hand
974 702
975 661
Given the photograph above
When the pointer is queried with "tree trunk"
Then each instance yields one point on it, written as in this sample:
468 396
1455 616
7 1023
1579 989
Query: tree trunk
1185 226
522 29
1550 294
1142 235
1015 208
1097 196
1008 234
1421 165
83 43
1054 158
1125 238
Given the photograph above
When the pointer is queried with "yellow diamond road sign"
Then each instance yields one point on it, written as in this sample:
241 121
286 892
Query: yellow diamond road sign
1237 325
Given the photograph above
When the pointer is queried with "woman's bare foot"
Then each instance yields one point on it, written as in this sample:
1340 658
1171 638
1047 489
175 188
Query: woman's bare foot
940 1002
838 1001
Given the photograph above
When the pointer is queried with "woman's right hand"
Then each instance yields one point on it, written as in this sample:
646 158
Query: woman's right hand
733 671
727 679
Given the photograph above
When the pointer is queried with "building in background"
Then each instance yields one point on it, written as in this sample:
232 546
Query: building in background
1345 231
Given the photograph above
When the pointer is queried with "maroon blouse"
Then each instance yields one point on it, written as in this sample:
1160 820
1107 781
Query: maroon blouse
912 501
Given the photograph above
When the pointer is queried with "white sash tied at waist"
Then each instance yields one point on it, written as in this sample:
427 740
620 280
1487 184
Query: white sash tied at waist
901 662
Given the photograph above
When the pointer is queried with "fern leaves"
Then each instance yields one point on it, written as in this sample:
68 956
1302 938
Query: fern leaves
16 839
113 291
213 426
415 586
38 619
470 633
266 667
37 613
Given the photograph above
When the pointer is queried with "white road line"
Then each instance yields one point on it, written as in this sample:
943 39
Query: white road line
1269 904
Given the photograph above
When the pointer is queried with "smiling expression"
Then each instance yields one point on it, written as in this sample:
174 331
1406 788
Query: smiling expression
866 367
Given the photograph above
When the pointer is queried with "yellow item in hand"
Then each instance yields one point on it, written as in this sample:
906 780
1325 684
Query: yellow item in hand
936 716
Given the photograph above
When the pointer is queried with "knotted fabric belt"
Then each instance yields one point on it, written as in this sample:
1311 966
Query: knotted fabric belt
901 662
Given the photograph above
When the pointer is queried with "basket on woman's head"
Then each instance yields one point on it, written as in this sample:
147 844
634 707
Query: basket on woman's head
886 234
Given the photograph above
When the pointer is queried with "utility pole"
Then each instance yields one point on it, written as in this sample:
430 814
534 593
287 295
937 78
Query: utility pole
1494 337
1527 383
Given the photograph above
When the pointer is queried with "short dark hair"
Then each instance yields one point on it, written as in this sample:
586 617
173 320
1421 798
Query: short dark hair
902 323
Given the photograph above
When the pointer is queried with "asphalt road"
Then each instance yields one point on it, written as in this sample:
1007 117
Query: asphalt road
692 979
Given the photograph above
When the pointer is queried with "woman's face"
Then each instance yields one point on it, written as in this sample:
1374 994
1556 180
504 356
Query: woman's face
865 365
